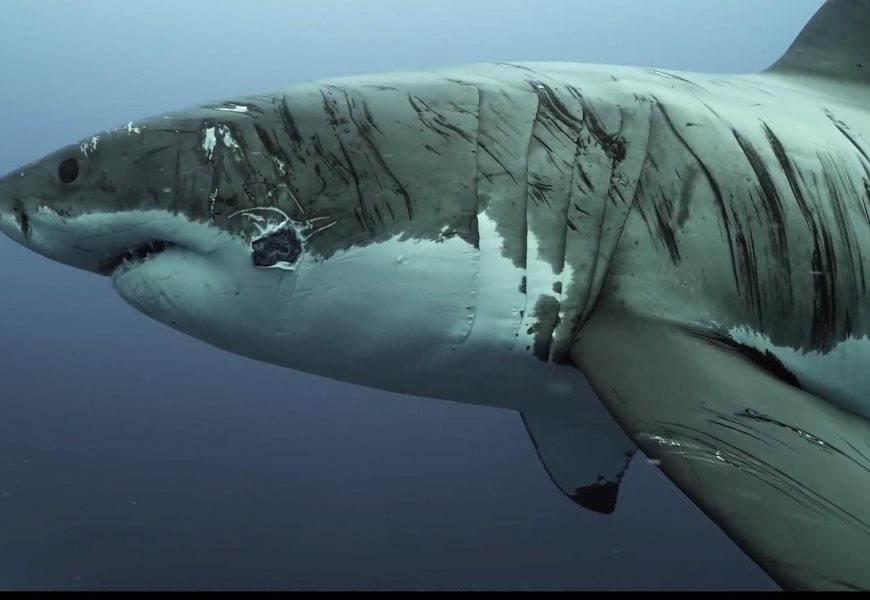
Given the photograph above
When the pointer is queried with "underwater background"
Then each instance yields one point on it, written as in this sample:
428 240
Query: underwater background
132 456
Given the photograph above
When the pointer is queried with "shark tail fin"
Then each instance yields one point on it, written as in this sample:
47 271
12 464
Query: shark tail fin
835 44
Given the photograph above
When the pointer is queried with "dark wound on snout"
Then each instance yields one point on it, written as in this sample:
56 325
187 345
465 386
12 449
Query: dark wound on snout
281 246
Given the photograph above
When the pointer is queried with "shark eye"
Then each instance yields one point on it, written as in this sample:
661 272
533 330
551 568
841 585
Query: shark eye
68 170
280 247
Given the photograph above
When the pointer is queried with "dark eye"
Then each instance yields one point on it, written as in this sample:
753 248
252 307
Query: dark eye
280 247
68 170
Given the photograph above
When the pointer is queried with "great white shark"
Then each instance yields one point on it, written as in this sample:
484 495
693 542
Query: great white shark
693 244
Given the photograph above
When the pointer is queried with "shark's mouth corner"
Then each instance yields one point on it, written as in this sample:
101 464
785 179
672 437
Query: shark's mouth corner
129 257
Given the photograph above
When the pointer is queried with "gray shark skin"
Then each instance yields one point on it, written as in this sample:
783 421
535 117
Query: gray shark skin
692 243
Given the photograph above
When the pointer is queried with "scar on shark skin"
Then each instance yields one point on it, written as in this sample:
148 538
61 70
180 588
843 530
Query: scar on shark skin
282 246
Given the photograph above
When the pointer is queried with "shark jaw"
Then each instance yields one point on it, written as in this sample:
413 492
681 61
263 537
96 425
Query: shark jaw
390 315
111 243
165 265
401 315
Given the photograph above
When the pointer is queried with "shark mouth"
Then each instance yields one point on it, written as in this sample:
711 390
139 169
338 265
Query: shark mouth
133 256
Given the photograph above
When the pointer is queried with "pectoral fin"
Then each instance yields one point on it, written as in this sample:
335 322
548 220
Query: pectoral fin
585 463
784 473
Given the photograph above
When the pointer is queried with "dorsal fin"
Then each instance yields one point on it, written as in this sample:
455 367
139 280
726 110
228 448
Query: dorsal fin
835 44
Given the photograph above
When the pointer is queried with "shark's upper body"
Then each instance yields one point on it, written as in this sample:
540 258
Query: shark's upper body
693 243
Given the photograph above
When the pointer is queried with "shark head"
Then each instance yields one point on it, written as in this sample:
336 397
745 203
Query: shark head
316 228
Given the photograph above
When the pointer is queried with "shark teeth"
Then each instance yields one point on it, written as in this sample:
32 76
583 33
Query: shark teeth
138 254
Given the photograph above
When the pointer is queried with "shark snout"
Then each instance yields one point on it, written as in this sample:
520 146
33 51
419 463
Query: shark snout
33 223
14 216
22 192
43 230
13 227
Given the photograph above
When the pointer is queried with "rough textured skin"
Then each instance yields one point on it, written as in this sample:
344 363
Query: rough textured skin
422 154
765 181
774 191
